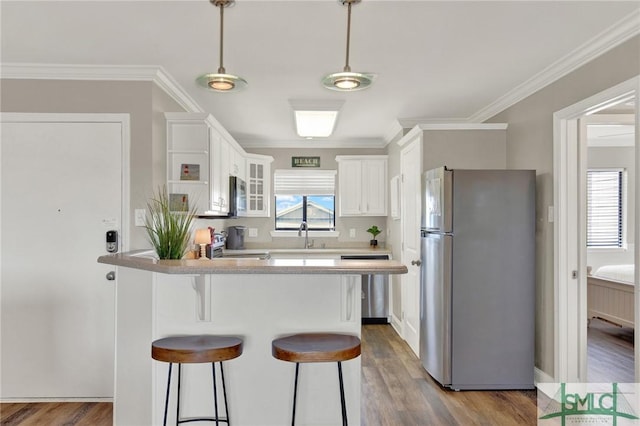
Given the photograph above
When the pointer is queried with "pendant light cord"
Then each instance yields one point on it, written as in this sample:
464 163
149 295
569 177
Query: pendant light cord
347 68
221 69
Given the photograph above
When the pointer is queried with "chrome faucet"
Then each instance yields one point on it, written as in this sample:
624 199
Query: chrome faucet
304 226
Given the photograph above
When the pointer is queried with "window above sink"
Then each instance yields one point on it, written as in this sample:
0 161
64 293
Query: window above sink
305 197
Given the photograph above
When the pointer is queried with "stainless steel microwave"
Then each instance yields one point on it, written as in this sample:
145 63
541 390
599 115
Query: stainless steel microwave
237 197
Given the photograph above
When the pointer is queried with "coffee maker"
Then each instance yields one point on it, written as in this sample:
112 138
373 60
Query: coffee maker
235 237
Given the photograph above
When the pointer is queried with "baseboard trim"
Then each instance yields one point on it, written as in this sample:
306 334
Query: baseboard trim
542 377
35 400
397 325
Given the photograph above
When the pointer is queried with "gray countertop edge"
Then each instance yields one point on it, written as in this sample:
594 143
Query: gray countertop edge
254 266
313 251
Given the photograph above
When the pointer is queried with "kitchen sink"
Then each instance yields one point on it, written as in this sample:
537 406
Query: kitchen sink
259 256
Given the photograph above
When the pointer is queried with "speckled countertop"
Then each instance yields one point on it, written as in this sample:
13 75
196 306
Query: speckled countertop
144 259
312 251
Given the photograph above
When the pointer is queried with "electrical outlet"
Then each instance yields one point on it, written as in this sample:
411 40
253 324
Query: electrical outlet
253 232
352 233
139 217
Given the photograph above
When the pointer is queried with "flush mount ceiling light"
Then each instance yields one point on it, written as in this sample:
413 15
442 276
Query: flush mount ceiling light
315 119
221 81
347 81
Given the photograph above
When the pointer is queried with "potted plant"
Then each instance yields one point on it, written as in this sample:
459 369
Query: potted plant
168 231
374 231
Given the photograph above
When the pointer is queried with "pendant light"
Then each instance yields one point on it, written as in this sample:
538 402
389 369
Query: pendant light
347 81
221 81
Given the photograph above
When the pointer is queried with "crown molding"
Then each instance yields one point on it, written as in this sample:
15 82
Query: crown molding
313 143
152 73
41 71
393 133
462 126
410 123
613 36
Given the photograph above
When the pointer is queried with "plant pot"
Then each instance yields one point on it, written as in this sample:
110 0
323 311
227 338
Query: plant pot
373 243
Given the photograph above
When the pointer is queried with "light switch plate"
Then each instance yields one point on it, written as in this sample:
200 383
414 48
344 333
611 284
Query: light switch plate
253 232
139 217
352 233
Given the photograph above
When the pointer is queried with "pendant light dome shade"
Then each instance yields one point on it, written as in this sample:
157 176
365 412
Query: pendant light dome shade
347 81
221 81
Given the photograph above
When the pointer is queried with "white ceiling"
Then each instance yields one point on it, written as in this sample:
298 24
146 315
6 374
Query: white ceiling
435 60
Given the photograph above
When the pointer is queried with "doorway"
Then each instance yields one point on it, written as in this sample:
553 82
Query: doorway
64 185
570 269
610 203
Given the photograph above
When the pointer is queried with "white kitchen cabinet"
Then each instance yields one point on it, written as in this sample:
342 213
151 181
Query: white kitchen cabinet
374 188
201 155
362 187
258 180
349 187
237 163
220 173
188 160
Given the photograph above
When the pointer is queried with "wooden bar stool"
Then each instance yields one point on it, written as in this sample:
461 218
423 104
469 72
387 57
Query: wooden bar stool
192 350
317 347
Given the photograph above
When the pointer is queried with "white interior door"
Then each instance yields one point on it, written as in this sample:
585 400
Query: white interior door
61 191
411 168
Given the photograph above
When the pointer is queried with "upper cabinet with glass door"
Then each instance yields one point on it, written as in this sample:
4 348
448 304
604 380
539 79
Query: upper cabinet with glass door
258 178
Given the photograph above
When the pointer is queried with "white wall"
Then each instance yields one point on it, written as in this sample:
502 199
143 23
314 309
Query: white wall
464 149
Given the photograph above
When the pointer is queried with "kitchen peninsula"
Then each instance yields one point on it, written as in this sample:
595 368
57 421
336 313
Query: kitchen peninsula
255 299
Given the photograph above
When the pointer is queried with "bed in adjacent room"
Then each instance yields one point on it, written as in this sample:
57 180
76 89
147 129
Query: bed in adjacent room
610 294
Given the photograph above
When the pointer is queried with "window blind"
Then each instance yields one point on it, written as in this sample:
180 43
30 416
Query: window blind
604 207
304 182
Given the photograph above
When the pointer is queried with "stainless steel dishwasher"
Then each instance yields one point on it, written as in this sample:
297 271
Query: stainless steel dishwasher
375 292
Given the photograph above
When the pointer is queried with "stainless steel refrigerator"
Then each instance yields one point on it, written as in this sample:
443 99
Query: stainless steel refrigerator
477 286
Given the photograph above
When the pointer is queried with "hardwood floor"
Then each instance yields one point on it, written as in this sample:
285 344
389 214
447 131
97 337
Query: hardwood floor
57 413
396 391
610 355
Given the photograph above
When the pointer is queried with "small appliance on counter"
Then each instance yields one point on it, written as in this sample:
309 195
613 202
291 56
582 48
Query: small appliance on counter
217 244
235 237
